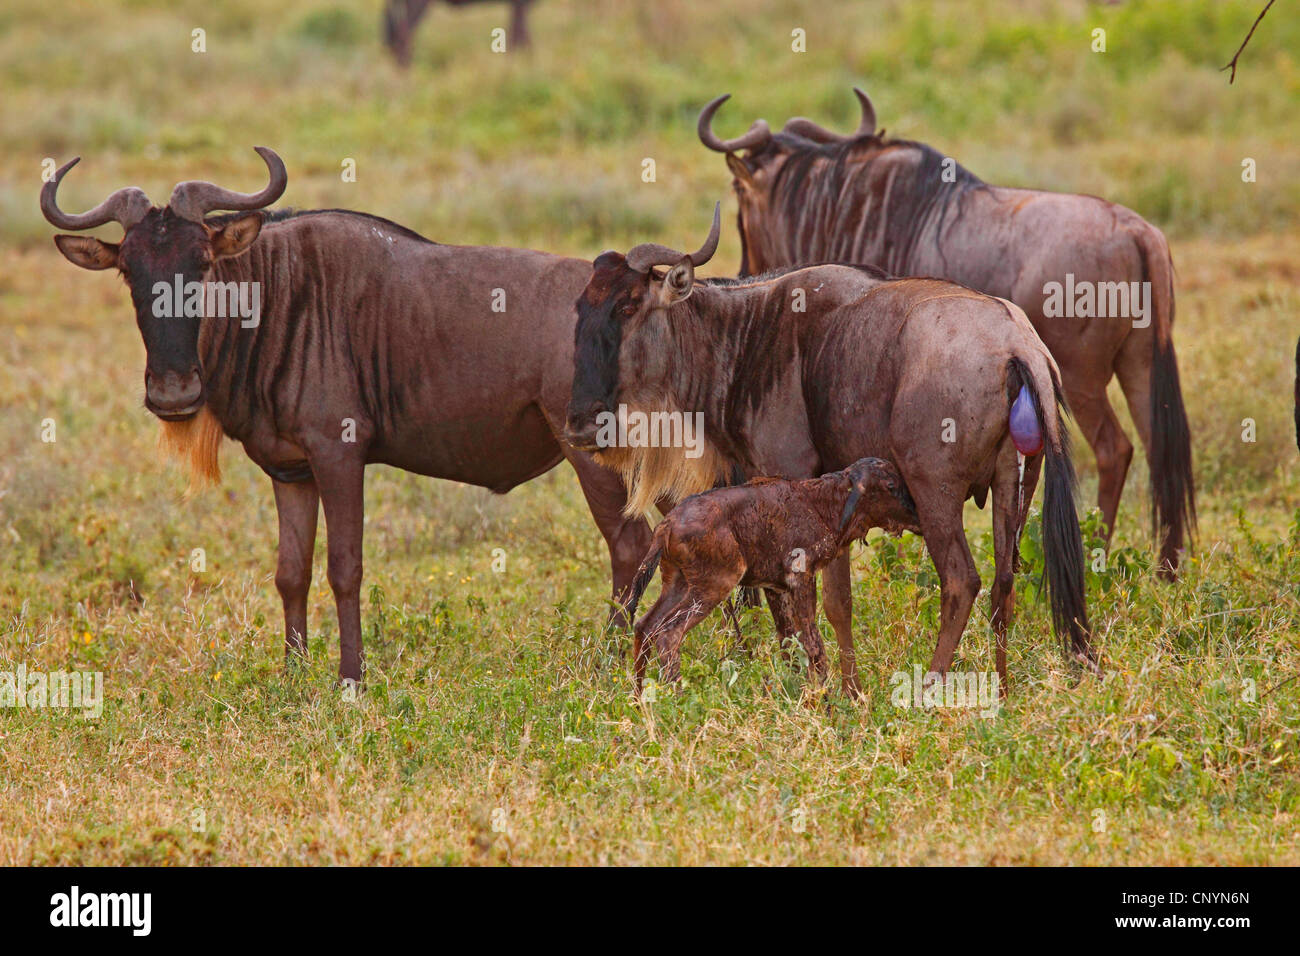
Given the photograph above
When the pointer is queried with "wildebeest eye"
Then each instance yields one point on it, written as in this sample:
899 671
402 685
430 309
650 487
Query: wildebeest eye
629 309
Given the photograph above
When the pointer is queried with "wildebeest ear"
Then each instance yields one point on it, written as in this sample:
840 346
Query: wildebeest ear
739 169
678 282
87 251
236 236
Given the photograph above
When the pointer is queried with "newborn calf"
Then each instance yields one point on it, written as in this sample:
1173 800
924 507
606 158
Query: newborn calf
769 533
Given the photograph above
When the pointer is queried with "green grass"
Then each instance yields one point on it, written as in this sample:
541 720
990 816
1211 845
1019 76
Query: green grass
496 692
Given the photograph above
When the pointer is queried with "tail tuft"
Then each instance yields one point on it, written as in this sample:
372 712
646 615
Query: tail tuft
1062 538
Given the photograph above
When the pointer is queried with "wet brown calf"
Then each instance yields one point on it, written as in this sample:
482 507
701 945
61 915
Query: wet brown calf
771 534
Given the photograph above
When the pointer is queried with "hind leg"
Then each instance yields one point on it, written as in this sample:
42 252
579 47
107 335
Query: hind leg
1101 429
688 602
1006 478
940 514
1033 468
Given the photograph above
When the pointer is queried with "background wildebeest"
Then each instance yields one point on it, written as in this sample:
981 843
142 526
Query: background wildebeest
807 370
771 534
401 17
374 345
810 195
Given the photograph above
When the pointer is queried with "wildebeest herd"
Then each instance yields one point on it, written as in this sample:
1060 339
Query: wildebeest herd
891 330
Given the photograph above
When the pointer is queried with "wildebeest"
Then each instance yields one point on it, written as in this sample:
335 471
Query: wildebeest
805 371
771 534
401 17
373 345
810 195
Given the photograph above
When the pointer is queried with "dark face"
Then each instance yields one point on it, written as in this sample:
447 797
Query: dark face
154 253
615 297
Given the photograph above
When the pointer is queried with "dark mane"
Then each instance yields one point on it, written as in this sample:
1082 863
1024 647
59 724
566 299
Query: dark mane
270 216
911 200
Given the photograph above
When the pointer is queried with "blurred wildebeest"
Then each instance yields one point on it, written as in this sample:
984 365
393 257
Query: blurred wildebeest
806 370
401 17
373 345
771 534
810 195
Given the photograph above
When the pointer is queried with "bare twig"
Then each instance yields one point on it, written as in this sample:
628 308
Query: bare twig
1233 64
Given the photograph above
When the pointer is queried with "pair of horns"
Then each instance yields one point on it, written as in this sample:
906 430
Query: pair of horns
646 256
190 200
759 135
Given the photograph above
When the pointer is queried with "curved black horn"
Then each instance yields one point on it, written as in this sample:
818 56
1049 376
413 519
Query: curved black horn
195 199
867 125
646 256
126 206
820 134
758 134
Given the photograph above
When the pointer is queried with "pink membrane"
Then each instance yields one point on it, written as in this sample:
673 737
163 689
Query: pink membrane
1026 434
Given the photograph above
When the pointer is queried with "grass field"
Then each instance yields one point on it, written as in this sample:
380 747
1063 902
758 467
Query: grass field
497 724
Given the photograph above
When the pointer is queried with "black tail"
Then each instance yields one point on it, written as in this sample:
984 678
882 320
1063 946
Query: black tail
1062 539
1297 393
644 574
1173 488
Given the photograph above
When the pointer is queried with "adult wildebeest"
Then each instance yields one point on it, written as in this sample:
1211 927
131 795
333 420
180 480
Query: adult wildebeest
807 370
373 345
401 17
771 534
809 195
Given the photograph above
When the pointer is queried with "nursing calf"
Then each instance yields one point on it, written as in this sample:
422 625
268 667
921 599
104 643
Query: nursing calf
770 534
807 370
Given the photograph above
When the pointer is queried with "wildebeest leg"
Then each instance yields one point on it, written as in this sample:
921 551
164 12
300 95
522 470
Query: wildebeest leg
940 515
628 539
837 600
1006 478
672 590
692 604
1033 468
803 606
1101 429
297 505
341 481
519 23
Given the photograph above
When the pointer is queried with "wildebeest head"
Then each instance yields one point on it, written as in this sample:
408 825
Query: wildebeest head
622 356
878 498
620 339
164 247
758 171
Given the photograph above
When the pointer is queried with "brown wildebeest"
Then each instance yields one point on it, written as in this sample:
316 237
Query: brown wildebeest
770 534
805 371
373 345
809 195
401 17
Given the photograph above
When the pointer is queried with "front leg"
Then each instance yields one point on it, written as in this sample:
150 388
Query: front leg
837 600
341 480
296 505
